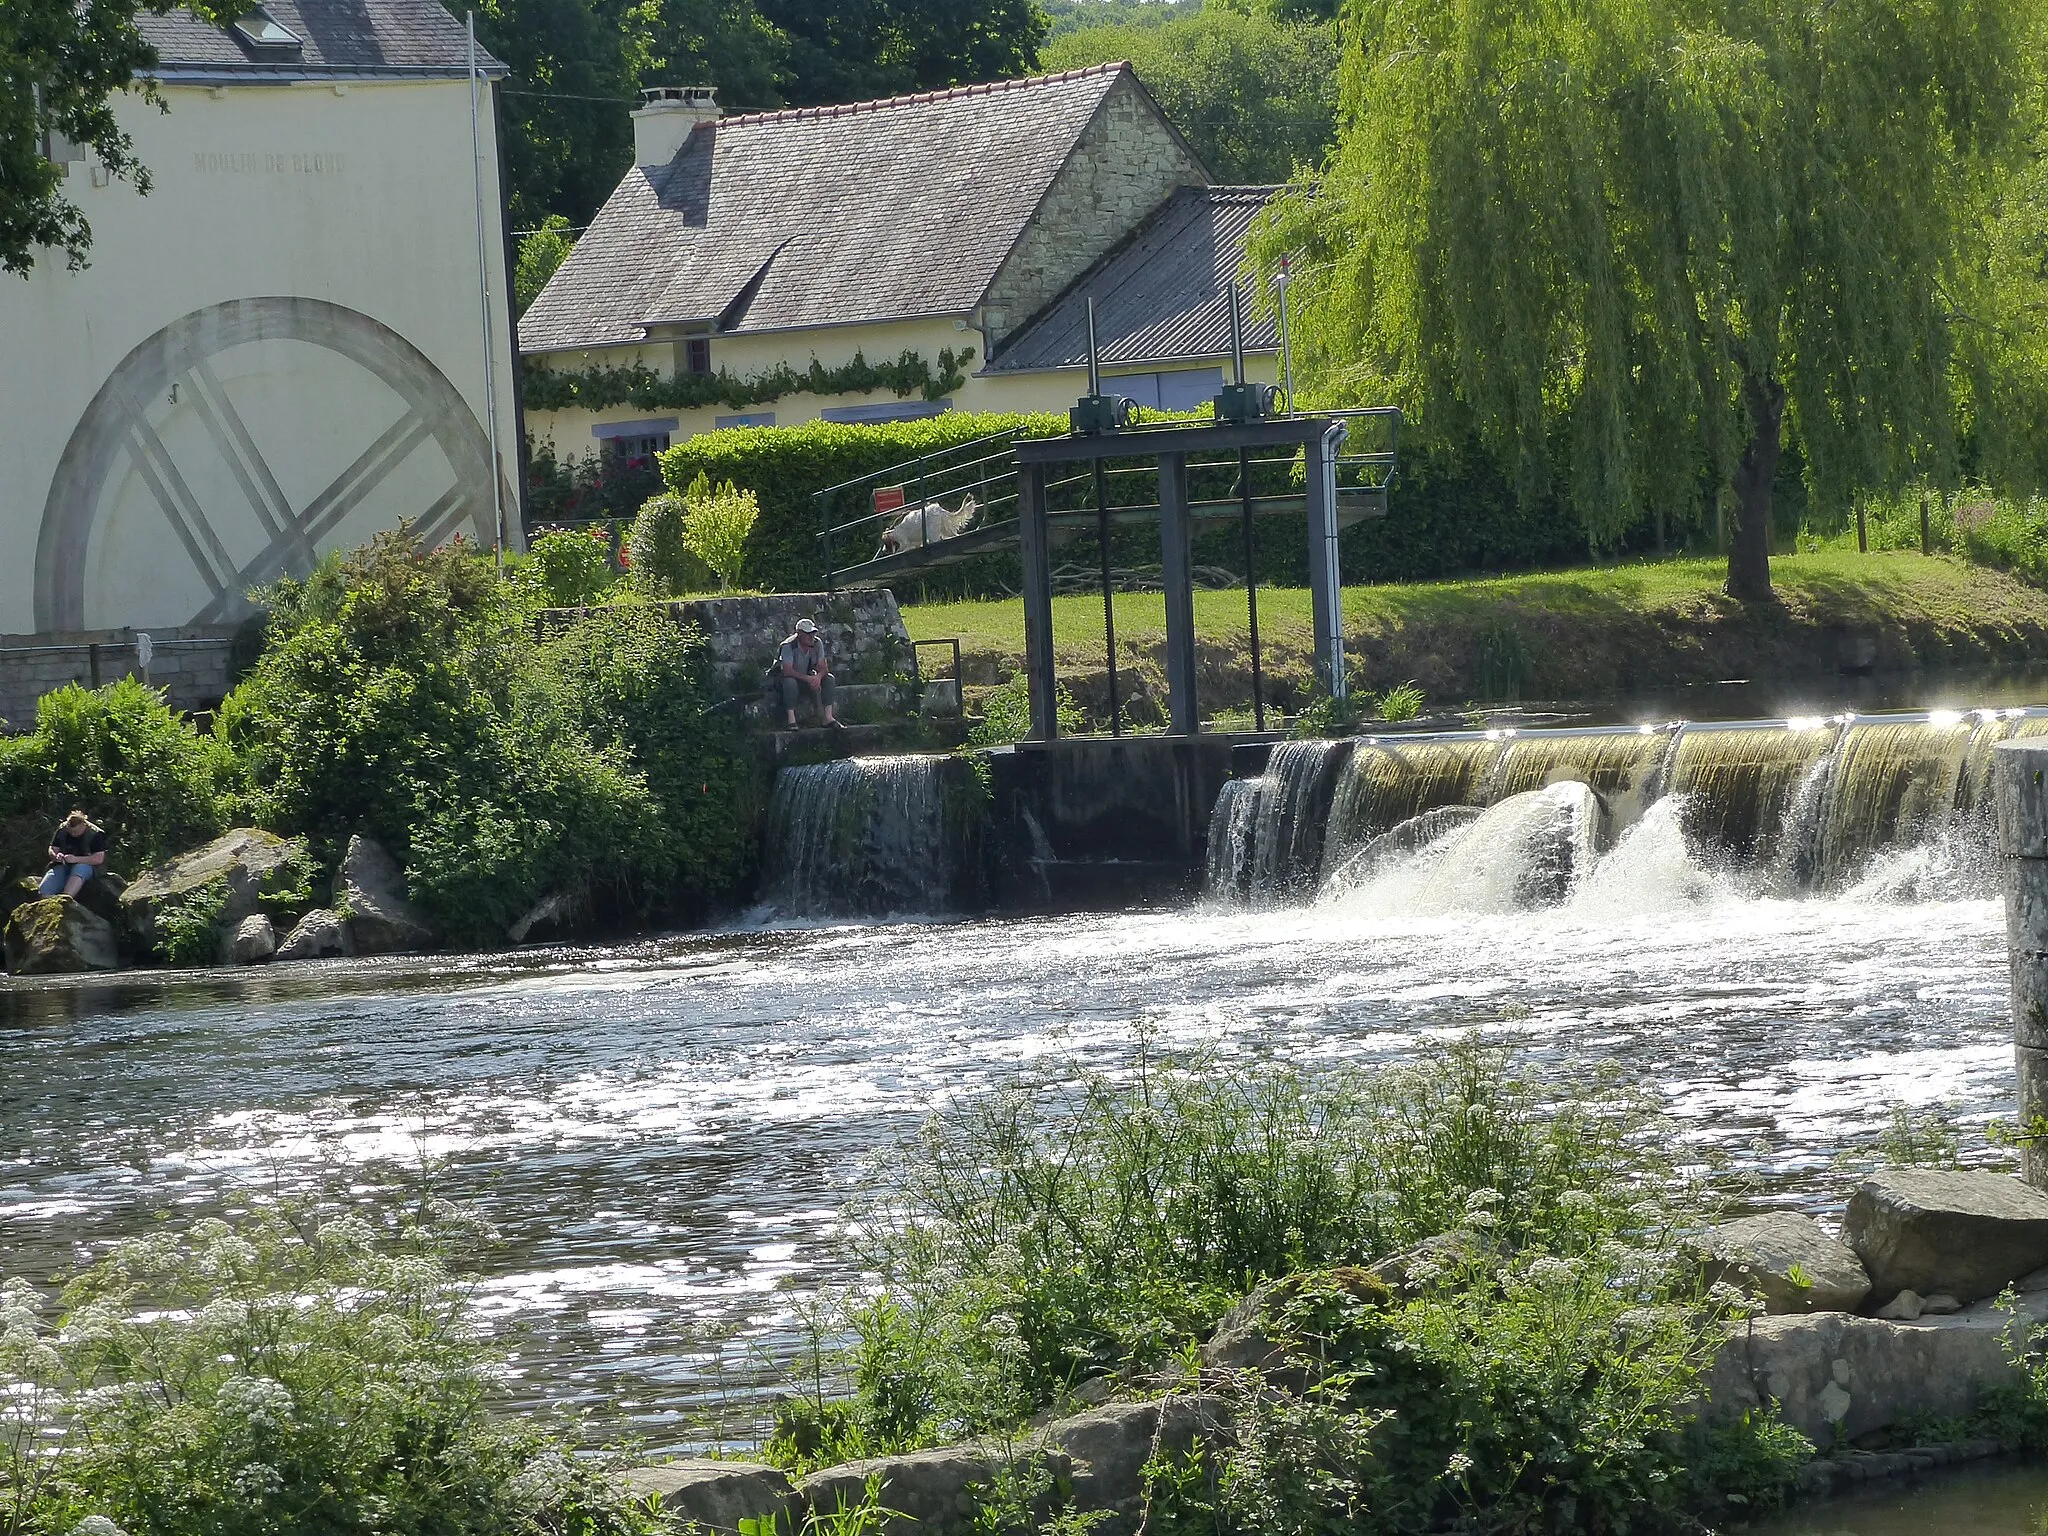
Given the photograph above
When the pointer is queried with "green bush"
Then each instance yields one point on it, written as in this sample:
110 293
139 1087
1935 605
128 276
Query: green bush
657 553
279 1373
402 700
565 570
783 466
716 522
122 755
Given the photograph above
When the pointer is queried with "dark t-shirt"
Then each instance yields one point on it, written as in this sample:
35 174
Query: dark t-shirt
79 844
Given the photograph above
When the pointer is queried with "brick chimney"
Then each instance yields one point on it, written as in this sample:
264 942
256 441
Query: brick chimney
665 117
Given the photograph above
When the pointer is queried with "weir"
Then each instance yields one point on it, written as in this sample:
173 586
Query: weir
1798 805
871 836
1790 807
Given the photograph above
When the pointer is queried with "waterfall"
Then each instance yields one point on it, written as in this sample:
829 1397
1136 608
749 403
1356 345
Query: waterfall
872 835
1878 807
1266 837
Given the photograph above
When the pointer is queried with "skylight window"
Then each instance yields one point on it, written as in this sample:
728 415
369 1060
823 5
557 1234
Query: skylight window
259 29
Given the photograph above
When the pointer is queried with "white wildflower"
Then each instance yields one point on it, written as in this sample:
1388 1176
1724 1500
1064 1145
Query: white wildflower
264 1404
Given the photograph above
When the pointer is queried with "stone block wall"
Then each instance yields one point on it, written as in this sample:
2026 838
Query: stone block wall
191 665
1127 163
863 633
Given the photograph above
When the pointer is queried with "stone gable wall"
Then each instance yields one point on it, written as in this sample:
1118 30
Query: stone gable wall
1127 163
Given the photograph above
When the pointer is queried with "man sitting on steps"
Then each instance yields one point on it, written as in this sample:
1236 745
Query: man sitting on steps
802 663
77 850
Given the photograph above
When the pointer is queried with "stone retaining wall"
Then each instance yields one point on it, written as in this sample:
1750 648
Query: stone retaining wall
863 632
191 666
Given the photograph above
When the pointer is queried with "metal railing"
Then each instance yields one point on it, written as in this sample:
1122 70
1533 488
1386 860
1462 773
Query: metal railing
985 468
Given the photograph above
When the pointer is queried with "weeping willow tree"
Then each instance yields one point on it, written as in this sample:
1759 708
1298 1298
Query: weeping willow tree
1633 245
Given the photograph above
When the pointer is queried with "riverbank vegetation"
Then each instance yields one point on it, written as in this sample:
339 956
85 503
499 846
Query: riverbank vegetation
1522 1351
288 1370
408 695
1572 635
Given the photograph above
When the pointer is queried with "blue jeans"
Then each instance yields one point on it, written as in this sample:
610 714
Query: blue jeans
53 882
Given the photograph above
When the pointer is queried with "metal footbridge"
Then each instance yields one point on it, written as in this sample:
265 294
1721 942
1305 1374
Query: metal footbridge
927 492
1332 469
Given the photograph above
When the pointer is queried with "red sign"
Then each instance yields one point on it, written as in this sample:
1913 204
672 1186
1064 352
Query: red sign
889 498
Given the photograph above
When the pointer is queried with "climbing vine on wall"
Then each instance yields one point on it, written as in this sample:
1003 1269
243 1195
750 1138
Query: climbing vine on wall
596 389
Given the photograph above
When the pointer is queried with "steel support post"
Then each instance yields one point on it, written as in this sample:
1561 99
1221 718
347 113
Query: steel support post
1036 556
2020 787
1177 572
1325 580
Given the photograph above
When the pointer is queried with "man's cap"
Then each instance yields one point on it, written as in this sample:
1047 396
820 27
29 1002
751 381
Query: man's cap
806 627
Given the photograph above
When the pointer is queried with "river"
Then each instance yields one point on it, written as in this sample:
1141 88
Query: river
665 1132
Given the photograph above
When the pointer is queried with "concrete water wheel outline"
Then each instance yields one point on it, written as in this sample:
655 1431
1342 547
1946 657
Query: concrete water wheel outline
115 429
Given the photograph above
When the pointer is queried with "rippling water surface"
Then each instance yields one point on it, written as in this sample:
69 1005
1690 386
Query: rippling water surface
665 1132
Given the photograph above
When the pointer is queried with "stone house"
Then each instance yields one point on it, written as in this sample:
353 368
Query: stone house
279 351
959 232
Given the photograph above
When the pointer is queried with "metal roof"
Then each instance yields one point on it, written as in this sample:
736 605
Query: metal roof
879 210
1163 295
346 39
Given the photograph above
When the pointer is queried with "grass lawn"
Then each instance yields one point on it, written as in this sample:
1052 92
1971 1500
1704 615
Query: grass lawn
1574 632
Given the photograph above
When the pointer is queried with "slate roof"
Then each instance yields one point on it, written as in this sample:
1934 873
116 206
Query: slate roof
356 38
878 210
1162 295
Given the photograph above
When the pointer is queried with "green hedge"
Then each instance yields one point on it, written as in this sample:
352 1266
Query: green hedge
1452 512
784 466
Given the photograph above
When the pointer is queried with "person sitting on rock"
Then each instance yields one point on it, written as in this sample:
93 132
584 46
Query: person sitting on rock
800 664
77 850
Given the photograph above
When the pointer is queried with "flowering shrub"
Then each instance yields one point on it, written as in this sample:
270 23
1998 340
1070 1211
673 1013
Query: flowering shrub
281 1372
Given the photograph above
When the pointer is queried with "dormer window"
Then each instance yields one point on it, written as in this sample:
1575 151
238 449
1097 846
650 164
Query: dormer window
260 32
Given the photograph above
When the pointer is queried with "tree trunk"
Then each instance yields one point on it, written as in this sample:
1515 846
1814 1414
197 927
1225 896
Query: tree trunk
1749 551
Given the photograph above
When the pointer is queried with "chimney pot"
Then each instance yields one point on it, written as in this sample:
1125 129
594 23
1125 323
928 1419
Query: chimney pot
666 116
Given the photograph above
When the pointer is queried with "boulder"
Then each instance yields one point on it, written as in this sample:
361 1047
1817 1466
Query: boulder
249 863
931 1493
1963 1232
101 896
320 932
380 918
53 935
1106 1448
253 940
1833 1374
1246 1339
1903 1308
1763 1254
715 1495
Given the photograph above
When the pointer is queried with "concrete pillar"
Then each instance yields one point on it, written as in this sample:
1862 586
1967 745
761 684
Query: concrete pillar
1176 571
2020 789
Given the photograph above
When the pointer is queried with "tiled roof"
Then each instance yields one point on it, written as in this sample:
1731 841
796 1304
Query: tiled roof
357 37
879 210
1161 296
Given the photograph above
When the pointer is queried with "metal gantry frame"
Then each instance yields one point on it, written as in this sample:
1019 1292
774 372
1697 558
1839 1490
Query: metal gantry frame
1319 437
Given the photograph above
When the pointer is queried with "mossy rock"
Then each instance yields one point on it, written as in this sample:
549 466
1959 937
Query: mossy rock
253 871
54 935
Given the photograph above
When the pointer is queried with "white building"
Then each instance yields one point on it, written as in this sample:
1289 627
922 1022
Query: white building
279 351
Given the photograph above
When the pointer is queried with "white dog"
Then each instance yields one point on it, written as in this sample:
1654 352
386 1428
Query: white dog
928 519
